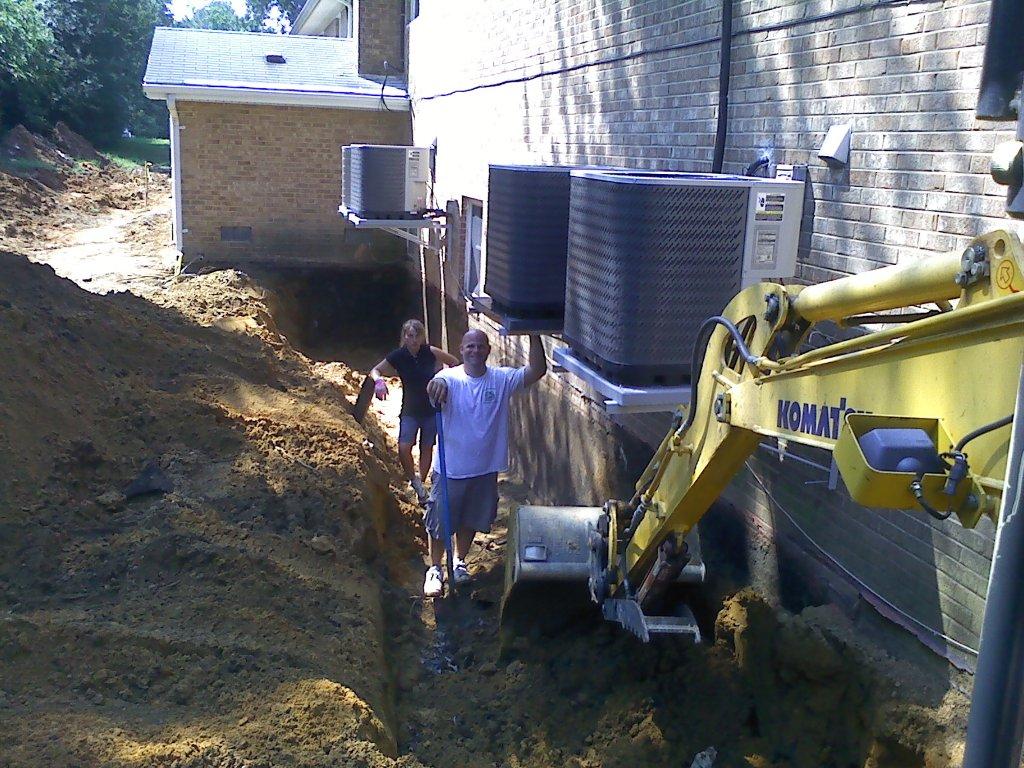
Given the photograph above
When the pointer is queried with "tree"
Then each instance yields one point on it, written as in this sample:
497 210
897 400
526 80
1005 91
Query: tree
28 69
220 15
275 15
103 48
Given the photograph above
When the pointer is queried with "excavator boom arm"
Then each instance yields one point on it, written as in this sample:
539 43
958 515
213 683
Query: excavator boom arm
948 373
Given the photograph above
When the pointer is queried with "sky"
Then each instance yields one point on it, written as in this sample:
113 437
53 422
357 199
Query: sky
183 8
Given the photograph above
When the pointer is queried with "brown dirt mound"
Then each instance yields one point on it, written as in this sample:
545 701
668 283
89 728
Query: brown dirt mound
25 145
768 690
37 215
265 610
232 620
76 145
41 160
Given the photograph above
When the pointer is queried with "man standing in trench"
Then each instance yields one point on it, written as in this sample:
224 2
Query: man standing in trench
473 398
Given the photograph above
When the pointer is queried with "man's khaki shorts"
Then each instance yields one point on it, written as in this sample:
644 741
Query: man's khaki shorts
473 502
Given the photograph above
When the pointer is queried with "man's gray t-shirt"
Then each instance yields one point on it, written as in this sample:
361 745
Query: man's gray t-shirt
476 420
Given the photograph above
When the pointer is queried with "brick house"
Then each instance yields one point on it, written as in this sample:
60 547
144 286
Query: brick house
257 123
377 27
635 84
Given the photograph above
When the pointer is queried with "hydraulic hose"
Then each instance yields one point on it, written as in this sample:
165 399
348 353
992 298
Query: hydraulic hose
696 362
700 350
1003 422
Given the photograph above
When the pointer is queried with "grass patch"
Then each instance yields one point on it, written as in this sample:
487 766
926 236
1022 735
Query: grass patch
136 151
19 165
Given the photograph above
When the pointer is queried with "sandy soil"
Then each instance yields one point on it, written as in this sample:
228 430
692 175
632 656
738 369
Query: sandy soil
205 562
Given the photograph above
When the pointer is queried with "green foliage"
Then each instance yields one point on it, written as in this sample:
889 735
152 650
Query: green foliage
24 39
28 71
137 151
274 15
219 15
82 61
103 46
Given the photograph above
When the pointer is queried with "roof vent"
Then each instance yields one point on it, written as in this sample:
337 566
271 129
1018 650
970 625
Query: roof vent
275 58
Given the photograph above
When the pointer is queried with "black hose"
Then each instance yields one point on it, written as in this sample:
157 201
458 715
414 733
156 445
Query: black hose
1003 422
754 167
917 489
724 65
697 361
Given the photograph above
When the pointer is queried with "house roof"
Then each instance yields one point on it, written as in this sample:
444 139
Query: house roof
316 13
210 65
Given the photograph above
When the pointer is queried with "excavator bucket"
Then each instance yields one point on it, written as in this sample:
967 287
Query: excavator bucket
547 569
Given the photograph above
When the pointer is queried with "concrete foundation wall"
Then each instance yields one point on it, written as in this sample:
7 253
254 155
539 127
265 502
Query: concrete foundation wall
276 171
635 84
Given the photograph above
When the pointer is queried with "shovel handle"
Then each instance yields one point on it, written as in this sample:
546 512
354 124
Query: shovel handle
446 518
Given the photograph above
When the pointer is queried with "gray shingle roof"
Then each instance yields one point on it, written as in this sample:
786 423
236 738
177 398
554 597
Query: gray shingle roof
182 58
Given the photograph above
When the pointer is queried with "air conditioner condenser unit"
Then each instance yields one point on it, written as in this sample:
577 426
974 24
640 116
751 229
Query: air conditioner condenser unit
386 182
651 255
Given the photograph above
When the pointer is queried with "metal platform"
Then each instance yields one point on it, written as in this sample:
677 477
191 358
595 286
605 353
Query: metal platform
511 325
402 228
619 398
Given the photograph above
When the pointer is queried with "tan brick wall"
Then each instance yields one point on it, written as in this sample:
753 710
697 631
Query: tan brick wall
634 83
381 36
276 170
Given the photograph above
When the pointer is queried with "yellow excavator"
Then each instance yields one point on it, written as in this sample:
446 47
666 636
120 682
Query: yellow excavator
916 413
917 409
919 414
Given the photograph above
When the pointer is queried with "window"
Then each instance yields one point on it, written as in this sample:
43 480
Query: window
413 10
474 277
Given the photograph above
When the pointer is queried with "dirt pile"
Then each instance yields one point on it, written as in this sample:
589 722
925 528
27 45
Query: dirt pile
233 618
38 157
767 689
76 145
36 215
205 562
44 193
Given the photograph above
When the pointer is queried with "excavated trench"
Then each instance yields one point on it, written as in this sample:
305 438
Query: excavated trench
767 688
353 316
266 610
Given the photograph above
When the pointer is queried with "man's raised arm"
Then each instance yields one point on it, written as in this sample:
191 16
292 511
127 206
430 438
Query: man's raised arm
538 364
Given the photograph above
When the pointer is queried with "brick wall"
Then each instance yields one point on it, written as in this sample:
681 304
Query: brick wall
635 84
276 170
381 37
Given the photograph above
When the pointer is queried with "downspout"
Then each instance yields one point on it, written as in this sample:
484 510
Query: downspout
175 129
725 63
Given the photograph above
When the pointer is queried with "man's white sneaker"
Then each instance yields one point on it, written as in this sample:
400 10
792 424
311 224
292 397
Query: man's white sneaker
460 573
419 490
433 584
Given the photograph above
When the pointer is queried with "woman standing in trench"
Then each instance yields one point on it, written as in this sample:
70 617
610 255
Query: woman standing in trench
415 363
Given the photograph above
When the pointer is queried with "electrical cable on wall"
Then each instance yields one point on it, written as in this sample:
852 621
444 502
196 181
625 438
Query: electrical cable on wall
684 46
384 85
853 577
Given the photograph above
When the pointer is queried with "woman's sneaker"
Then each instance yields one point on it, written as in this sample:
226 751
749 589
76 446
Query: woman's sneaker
460 574
433 584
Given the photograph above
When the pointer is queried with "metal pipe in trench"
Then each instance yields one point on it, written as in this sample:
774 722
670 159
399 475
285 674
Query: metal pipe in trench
995 728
